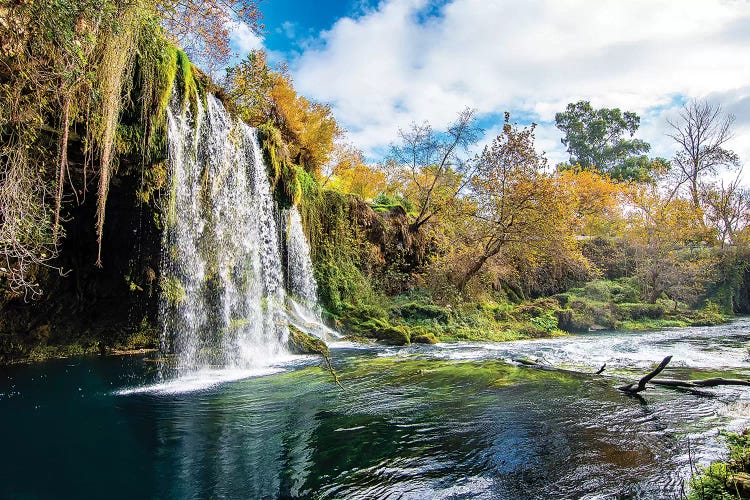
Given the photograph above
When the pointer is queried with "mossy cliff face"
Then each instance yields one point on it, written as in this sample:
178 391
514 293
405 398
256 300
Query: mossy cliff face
84 308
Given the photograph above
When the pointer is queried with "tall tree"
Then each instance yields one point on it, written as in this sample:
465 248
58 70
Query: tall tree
263 94
596 140
431 162
701 133
726 209
516 201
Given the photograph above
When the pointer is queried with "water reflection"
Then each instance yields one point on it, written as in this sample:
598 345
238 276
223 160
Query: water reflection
420 422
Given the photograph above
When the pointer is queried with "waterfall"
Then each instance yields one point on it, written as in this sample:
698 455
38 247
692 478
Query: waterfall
223 301
299 266
304 311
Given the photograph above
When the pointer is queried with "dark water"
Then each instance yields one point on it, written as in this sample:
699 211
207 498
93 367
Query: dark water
450 421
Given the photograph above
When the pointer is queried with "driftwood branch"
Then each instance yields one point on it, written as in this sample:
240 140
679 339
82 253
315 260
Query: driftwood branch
709 382
635 388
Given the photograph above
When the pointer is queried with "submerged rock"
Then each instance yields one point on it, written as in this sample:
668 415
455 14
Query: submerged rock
304 343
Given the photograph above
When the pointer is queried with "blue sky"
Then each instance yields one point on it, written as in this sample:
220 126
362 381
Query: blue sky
381 65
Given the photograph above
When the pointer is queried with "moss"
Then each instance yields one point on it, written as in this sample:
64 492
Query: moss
188 86
645 325
638 311
303 343
414 311
172 290
424 338
725 479
394 335
710 315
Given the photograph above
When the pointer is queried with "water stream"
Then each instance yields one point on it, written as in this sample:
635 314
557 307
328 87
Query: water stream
225 301
238 417
445 421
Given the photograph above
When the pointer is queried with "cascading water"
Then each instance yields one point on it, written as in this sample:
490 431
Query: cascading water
301 282
303 308
223 295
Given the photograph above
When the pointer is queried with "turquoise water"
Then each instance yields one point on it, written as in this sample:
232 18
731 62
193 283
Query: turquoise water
446 421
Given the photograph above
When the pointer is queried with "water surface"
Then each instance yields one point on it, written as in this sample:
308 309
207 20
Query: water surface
445 421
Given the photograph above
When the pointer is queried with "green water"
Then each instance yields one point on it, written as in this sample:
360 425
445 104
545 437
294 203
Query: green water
450 421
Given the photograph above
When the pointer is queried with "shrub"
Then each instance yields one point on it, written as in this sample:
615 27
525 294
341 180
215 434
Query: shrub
414 311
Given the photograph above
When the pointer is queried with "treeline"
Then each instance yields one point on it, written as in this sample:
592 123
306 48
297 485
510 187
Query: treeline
502 226
440 237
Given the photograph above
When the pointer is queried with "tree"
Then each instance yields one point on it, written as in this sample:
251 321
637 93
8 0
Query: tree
593 200
348 173
202 27
516 202
595 139
432 166
264 95
701 133
726 209
669 242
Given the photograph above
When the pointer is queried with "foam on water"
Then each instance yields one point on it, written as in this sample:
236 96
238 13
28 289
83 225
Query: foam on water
200 380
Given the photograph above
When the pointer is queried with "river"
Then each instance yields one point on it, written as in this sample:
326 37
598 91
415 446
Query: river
445 421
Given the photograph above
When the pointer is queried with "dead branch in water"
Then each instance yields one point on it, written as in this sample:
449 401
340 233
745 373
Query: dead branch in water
645 379
634 388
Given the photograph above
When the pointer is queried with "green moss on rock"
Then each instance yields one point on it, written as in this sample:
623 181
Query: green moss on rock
303 343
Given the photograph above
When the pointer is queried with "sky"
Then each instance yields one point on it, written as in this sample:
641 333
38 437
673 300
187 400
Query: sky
382 65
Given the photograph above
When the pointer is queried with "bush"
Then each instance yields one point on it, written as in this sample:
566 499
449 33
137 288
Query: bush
640 311
414 311
725 480
597 290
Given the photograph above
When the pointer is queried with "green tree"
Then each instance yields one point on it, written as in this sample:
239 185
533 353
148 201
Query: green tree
597 139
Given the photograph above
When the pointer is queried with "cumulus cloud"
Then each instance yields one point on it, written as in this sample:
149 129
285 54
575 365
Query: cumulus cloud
411 60
243 39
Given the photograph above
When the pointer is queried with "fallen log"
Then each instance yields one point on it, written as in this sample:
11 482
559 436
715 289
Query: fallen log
641 386
708 382
634 388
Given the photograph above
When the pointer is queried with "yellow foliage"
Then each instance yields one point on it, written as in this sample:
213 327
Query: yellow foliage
265 95
359 179
594 201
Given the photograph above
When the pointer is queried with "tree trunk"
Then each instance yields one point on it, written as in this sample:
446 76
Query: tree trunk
473 269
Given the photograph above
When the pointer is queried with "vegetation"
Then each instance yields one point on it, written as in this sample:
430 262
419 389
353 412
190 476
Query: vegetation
728 479
435 243
596 141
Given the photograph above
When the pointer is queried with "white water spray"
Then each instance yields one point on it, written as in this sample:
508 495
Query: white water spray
223 295
303 308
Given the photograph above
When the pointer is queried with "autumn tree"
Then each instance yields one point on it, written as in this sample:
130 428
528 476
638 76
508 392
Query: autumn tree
701 132
267 95
202 27
433 165
670 244
602 140
727 209
594 201
347 172
516 201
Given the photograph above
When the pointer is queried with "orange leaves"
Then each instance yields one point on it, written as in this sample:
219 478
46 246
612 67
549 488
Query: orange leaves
201 27
267 95
594 201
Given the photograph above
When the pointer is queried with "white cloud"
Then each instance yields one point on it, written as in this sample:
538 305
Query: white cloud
243 39
401 62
